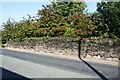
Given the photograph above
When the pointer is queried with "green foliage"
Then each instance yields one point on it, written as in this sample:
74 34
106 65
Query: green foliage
108 19
66 19
54 20
67 9
70 32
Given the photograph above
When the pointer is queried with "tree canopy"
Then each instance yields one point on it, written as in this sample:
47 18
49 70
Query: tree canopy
67 19
108 18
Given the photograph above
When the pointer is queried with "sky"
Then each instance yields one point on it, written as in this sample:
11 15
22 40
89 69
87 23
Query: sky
17 10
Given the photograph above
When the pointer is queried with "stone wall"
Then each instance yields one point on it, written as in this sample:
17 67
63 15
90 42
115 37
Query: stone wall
61 46
103 48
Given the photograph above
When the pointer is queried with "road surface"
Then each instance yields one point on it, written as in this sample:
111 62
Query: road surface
41 66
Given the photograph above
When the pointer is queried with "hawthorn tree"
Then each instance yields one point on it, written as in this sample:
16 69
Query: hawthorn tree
57 19
66 15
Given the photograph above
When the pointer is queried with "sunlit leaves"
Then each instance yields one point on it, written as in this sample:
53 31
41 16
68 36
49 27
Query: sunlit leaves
65 19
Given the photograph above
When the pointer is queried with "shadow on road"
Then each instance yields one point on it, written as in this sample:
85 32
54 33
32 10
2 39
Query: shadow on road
96 71
9 75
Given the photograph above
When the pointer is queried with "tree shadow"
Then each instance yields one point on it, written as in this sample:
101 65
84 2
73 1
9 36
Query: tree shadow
9 75
96 71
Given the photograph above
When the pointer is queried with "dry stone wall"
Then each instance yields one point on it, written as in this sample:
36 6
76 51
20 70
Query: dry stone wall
102 48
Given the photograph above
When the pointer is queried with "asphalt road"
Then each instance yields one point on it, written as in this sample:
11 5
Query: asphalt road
30 65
